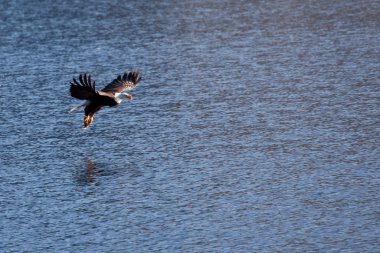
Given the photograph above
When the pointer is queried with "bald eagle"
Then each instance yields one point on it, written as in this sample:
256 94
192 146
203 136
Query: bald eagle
111 95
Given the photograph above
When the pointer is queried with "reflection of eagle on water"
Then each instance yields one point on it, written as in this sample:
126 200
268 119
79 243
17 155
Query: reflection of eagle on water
111 95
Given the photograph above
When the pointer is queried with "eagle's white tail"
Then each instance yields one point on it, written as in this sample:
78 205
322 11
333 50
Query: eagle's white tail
78 107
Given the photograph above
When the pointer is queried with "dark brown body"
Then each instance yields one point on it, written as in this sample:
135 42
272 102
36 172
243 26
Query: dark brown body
94 106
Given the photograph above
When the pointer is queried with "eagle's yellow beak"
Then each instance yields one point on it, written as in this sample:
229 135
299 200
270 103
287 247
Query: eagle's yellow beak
128 96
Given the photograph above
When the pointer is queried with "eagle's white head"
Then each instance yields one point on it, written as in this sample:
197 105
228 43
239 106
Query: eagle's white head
120 96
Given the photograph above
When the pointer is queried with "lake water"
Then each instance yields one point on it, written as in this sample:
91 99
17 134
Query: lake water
256 127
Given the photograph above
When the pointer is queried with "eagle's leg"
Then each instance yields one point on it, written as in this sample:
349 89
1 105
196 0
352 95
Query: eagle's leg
87 120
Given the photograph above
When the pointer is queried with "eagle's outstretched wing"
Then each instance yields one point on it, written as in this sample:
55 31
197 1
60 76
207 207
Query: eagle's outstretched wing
85 89
125 82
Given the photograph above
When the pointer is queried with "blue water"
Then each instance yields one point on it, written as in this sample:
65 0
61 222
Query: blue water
255 128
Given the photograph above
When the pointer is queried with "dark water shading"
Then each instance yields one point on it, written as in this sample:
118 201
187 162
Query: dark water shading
255 129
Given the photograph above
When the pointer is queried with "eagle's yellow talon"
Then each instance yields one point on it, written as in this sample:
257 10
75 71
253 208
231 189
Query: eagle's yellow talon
87 121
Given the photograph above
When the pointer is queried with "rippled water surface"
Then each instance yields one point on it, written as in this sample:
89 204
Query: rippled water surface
255 129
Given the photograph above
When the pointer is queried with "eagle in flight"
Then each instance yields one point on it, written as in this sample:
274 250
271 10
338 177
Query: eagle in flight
111 95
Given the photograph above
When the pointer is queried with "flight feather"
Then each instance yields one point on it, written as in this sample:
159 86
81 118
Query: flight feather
84 89
127 81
